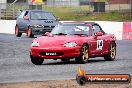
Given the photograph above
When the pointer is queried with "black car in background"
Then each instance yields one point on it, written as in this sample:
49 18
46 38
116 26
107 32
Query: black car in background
33 22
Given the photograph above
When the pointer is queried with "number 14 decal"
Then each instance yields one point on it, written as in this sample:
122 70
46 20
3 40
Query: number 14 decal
99 44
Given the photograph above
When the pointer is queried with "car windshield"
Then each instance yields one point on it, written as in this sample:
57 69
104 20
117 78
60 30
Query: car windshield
71 30
41 15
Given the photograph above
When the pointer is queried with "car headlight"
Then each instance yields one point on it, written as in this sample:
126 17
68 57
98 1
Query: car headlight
70 44
35 44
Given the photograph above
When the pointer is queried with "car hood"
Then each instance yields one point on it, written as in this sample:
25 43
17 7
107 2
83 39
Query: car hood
43 22
58 40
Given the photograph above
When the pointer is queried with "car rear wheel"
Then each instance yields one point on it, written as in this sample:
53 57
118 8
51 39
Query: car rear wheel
84 55
17 33
112 52
36 60
29 33
65 60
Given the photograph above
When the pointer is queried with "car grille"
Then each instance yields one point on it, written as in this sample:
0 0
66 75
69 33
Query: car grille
44 29
48 27
51 53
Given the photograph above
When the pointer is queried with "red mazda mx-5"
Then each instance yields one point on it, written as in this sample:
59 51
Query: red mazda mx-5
74 40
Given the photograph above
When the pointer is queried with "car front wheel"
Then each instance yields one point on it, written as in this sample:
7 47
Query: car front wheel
29 33
84 55
112 52
17 33
36 60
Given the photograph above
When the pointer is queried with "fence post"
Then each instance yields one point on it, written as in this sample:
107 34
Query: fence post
6 11
109 5
131 5
119 4
0 11
13 12
53 3
98 5
70 3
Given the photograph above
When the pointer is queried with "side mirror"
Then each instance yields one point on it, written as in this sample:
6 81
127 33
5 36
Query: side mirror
99 34
47 33
26 18
58 18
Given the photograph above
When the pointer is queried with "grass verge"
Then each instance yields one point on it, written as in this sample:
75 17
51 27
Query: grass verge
84 13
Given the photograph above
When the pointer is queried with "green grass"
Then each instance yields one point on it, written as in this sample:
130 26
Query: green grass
84 13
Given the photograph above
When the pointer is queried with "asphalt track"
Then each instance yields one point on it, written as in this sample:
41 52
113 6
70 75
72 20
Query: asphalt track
15 64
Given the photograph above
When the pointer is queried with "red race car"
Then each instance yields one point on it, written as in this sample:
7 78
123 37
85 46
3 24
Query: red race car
74 40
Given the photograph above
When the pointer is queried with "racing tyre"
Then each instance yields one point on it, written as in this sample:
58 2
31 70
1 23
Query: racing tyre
17 33
36 61
112 52
81 80
65 60
84 55
29 33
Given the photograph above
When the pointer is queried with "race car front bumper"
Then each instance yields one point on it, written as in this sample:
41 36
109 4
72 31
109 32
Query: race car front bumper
41 30
56 52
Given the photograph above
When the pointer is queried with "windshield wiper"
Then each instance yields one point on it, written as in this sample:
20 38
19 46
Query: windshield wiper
42 19
60 34
81 34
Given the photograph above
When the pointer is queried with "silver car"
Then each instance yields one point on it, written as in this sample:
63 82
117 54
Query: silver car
33 22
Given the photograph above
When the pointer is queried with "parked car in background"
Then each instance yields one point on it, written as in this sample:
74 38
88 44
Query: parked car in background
33 22
74 40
